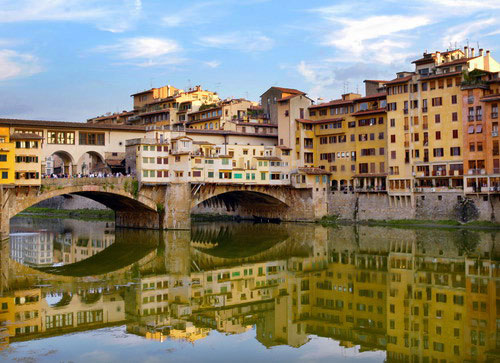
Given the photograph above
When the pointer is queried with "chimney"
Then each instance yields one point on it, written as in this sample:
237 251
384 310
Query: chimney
481 52
466 51
472 52
487 53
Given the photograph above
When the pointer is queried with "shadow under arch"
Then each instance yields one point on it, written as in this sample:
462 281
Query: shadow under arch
68 162
129 247
233 241
248 202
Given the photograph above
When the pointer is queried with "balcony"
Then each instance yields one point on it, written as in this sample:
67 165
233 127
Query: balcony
476 172
496 170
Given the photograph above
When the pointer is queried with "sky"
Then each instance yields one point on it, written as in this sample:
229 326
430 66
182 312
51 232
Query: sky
75 59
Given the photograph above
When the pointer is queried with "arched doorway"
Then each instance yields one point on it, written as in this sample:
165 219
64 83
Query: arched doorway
60 162
92 162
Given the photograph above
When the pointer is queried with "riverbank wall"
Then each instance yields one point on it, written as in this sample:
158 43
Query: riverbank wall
419 206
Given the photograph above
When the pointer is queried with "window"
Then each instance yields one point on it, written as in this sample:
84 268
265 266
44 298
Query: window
438 152
61 137
454 116
437 101
393 139
455 151
393 155
438 135
437 118
3 157
5 175
393 122
454 99
91 138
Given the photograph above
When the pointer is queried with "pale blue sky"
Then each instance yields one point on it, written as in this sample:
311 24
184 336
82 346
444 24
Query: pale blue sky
75 59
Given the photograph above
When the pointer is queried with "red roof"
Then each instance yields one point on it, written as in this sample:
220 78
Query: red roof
332 103
400 80
290 90
368 112
316 122
375 95
314 171
374 80
72 125
491 98
434 76
456 61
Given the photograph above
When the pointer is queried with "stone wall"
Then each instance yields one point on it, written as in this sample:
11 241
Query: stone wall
425 206
70 202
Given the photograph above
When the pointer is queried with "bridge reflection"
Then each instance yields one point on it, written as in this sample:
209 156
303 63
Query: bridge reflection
416 294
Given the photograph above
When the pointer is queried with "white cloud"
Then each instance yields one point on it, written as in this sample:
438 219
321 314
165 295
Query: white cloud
251 41
145 51
193 15
471 30
14 64
212 64
374 37
109 15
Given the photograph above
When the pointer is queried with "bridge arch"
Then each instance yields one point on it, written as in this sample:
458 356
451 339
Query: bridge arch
91 162
110 193
63 162
246 201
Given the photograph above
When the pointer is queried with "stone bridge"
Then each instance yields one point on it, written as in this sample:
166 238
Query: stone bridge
168 206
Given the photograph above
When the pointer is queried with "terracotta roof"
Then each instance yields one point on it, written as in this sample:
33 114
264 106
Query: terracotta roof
140 93
491 98
315 122
181 137
332 103
375 95
71 125
400 80
442 75
256 124
282 147
424 60
114 162
24 136
456 61
225 132
314 171
369 112
289 90
374 80
270 158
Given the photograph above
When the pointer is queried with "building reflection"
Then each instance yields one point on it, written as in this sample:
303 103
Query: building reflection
420 296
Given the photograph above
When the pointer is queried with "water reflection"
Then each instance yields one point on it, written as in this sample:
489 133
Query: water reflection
417 295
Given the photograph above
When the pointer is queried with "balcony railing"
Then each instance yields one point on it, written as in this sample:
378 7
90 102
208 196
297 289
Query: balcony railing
496 170
476 171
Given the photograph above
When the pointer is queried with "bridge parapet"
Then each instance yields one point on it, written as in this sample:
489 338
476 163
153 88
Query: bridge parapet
68 182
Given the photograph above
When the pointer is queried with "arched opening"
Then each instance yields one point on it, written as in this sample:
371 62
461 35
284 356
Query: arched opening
59 163
244 204
92 163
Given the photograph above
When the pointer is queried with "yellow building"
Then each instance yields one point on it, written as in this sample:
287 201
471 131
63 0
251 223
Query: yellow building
424 108
6 157
28 164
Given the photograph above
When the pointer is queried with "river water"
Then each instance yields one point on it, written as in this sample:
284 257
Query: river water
85 292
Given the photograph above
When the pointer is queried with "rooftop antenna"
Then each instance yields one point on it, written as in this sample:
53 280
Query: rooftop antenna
189 84
357 88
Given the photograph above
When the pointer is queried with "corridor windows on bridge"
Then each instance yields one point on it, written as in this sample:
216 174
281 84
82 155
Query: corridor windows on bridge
26 144
91 138
61 137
